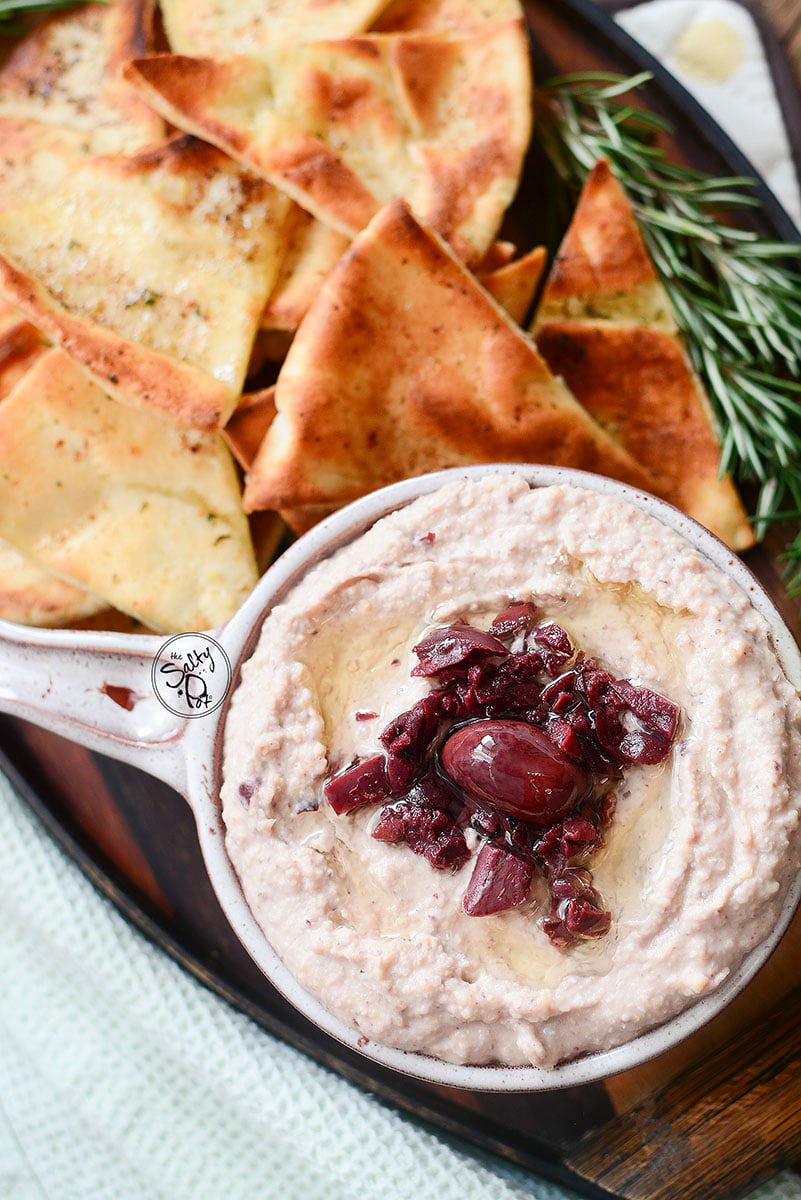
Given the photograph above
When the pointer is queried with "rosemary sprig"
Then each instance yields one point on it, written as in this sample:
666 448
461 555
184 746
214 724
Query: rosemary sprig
736 297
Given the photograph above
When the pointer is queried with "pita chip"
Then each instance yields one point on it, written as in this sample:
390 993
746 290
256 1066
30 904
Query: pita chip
313 250
219 28
458 17
246 429
515 283
607 328
36 159
20 345
30 594
152 271
134 509
404 364
64 73
602 270
346 126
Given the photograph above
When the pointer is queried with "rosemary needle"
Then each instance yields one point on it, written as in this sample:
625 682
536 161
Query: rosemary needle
736 296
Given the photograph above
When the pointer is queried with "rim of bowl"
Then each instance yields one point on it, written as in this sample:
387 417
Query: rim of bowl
242 634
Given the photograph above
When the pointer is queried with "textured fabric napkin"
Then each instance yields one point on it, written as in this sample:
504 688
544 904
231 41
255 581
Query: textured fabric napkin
123 1079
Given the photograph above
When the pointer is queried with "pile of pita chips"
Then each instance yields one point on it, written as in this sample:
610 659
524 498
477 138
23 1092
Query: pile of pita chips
403 365
345 126
152 270
135 510
605 324
511 283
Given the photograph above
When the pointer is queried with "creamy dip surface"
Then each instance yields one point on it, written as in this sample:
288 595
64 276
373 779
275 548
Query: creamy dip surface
701 849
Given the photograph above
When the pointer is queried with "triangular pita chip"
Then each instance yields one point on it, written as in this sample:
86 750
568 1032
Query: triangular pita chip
445 16
514 284
312 252
136 510
404 364
65 73
499 254
614 342
222 27
246 429
344 127
602 270
152 271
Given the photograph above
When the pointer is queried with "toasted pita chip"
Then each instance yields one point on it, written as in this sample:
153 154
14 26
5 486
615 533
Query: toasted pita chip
621 357
302 519
499 254
514 284
29 593
312 252
20 345
404 365
638 384
140 512
344 127
445 16
32 595
602 270
65 73
246 429
222 27
267 529
152 271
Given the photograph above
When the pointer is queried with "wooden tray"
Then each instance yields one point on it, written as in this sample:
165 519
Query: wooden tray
709 1119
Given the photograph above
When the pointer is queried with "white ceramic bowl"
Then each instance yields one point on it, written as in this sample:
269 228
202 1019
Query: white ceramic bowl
65 681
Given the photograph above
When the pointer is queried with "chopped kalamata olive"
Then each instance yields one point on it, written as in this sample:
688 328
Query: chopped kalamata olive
555 638
453 645
644 746
364 783
513 768
430 832
656 712
583 919
512 620
407 740
500 880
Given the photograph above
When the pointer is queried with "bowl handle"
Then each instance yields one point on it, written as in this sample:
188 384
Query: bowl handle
95 689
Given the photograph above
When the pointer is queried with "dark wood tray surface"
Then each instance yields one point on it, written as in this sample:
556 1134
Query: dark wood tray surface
709 1119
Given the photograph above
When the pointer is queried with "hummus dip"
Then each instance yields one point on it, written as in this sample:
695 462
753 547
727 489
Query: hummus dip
702 846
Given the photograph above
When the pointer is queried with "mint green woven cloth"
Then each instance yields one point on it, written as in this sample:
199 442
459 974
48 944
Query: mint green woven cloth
121 1078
